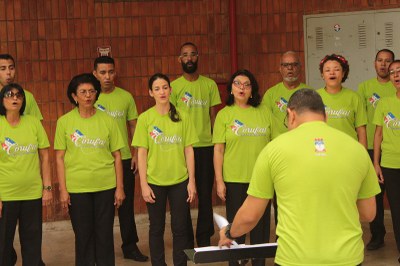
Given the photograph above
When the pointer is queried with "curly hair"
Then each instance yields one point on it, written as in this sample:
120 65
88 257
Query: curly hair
338 58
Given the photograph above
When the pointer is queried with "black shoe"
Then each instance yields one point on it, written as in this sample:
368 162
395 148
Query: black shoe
136 255
375 243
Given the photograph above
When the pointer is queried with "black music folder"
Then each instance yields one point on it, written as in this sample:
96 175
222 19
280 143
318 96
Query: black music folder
240 252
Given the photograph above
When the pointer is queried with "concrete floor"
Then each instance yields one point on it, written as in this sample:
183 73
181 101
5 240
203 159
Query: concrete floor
58 244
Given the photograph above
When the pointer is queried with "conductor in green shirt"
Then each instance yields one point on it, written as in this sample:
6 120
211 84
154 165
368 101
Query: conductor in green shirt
325 184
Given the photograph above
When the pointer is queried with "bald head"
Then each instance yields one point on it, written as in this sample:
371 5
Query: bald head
290 68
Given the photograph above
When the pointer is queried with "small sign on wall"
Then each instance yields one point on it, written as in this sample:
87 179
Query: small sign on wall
104 51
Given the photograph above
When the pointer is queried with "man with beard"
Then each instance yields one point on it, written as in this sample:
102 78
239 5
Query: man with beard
277 97
372 91
7 76
199 95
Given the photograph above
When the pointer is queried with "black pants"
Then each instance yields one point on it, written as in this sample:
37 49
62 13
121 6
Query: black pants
377 226
92 218
392 181
126 212
236 194
176 195
204 172
28 214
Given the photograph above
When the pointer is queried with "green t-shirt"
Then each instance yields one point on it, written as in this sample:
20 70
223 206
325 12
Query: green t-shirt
344 110
119 104
245 132
20 177
165 142
276 99
387 115
371 92
32 107
196 98
88 145
318 174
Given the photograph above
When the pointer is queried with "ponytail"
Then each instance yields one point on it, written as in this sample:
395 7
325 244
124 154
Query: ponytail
173 113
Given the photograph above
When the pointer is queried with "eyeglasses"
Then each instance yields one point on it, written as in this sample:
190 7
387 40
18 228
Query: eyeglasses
293 65
239 85
394 71
187 55
85 92
285 121
10 94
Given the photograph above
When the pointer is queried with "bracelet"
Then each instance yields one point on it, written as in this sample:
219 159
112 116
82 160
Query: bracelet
48 188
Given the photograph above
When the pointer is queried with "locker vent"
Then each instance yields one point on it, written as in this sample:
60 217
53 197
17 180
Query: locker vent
319 39
362 36
389 34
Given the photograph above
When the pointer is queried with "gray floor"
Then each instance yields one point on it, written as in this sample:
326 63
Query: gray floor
58 244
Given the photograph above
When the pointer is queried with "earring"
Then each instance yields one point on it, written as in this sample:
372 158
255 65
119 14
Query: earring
251 96
232 92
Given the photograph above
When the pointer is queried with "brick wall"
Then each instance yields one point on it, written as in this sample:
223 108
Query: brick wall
53 40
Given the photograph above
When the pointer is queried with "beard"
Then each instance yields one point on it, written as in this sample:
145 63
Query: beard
189 67
291 79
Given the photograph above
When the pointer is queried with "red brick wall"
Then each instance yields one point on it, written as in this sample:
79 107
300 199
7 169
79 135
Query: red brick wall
53 40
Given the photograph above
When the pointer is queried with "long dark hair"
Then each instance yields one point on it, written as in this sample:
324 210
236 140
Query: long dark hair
255 98
173 113
8 88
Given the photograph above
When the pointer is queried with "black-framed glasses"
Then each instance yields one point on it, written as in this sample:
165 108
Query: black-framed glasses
293 65
285 120
10 94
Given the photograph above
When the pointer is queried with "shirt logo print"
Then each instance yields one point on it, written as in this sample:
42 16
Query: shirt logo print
319 145
389 117
76 136
373 100
236 125
7 144
282 103
186 98
155 133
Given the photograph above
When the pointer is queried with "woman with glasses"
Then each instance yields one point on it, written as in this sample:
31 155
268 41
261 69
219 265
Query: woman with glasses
241 131
89 169
164 138
344 108
387 147
25 182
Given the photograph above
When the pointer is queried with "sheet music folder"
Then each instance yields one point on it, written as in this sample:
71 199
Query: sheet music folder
216 254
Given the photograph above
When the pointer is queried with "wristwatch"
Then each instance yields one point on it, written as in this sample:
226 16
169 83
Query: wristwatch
48 188
228 232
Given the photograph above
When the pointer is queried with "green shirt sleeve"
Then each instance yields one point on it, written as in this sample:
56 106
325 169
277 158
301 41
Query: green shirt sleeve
214 95
361 112
132 111
60 142
378 113
261 183
32 107
140 136
219 129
